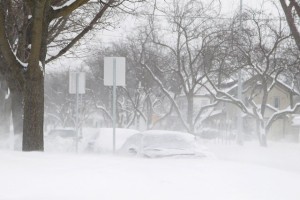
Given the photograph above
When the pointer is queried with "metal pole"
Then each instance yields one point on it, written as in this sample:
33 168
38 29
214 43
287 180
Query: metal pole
81 114
240 89
114 105
77 93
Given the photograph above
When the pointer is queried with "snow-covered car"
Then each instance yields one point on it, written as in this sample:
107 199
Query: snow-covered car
161 143
90 141
61 140
102 141
63 132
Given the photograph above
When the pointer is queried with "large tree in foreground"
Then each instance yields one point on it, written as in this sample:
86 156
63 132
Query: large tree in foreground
26 62
291 10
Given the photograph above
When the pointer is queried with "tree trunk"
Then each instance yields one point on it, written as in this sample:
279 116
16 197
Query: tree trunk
149 112
5 116
33 114
263 140
4 108
13 106
17 111
291 18
261 133
190 112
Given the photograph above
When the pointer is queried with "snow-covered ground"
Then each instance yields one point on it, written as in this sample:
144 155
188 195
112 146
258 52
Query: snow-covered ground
235 173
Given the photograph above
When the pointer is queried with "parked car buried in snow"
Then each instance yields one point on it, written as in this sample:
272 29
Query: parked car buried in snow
64 133
161 143
61 140
102 141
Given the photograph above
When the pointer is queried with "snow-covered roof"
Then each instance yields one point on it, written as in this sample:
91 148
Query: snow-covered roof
288 87
279 83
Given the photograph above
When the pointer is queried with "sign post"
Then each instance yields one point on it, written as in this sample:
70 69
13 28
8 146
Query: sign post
77 86
114 75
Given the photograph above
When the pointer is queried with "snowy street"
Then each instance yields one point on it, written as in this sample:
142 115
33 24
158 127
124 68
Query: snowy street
234 174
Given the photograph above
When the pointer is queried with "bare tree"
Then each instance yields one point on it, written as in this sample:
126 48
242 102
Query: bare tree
27 66
261 51
138 100
186 38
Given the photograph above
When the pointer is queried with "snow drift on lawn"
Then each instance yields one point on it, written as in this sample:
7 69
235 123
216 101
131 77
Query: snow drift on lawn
93 140
236 173
36 176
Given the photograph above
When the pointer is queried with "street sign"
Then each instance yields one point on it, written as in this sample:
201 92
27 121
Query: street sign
77 86
114 75
109 70
77 79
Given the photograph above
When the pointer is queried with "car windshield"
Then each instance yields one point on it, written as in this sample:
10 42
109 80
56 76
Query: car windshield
168 141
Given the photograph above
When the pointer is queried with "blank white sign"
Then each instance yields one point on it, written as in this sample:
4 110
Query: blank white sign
73 82
120 71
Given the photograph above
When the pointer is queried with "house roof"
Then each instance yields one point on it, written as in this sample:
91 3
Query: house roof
256 79
291 89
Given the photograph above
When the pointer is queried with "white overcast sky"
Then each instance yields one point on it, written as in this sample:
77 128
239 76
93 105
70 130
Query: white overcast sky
229 8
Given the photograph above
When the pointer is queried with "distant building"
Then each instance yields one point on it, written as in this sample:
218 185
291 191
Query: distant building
280 97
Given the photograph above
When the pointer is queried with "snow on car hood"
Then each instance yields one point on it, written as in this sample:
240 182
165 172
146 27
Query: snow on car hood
163 152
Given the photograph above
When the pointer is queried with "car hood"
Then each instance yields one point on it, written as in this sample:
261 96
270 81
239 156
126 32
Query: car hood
164 152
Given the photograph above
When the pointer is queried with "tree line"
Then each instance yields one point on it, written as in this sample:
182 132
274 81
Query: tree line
187 49
183 51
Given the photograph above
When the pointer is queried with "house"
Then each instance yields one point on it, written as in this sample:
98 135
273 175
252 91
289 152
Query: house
280 97
200 99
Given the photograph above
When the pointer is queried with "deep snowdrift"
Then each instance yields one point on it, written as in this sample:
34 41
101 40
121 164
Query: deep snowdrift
237 173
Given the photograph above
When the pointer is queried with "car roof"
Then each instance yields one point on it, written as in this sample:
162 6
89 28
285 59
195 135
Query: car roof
185 135
63 129
160 132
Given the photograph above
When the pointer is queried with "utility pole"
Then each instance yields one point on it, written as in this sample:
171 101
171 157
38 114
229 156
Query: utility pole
240 88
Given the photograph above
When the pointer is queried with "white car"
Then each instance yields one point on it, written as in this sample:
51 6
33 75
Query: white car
61 140
161 143
102 141
63 133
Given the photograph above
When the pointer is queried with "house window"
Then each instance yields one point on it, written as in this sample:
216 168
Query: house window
276 102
